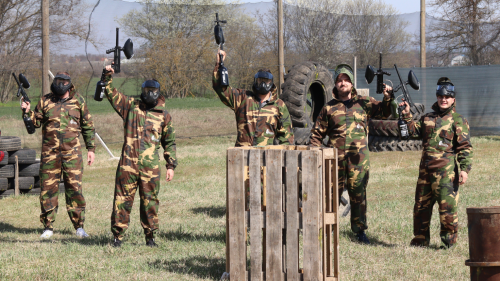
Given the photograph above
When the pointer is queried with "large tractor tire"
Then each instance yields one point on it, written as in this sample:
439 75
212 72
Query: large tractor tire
389 127
383 143
308 87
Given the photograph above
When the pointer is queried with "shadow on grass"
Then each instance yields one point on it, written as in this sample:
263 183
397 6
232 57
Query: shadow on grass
373 241
182 235
200 266
213 212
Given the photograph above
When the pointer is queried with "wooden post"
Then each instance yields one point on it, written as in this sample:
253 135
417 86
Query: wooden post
16 177
422 33
281 48
45 48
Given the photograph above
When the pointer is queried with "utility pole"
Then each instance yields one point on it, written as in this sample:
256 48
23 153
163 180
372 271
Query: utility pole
422 33
281 52
45 48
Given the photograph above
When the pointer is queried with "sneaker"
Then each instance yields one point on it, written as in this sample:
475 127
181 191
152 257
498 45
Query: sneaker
362 237
81 233
151 243
117 243
47 233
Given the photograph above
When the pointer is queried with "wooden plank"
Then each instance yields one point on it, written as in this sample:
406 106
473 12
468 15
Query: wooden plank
335 181
16 177
292 216
310 203
274 216
255 217
236 210
328 217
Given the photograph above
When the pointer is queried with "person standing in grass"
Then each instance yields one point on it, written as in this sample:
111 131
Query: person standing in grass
147 126
261 117
344 120
446 140
63 115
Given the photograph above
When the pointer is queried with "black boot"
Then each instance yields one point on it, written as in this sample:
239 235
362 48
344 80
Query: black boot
362 237
151 243
117 243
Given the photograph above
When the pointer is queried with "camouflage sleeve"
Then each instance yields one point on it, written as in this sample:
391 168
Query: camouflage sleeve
37 115
318 132
463 145
284 133
414 128
168 143
87 125
379 109
119 101
230 97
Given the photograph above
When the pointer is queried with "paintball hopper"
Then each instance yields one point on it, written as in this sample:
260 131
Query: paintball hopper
370 73
128 49
413 80
219 35
24 81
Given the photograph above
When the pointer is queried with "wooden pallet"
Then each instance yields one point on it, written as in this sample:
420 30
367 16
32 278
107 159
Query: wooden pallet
271 221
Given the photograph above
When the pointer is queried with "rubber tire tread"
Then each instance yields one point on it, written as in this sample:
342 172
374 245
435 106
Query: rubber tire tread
25 183
388 128
7 171
297 83
4 184
29 170
10 143
24 156
5 159
383 143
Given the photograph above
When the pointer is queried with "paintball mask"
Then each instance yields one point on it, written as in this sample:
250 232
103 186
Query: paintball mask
59 87
262 82
445 87
150 92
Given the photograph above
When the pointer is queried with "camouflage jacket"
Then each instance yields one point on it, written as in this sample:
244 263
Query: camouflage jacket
144 129
444 135
347 125
256 126
62 121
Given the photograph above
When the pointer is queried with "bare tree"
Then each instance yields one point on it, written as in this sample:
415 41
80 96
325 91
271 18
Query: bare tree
469 27
373 27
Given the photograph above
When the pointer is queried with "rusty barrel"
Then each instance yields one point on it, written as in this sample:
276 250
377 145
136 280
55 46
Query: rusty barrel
484 243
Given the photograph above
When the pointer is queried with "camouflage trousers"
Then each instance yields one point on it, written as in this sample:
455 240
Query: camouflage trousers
440 186
354 178
128 180
70 164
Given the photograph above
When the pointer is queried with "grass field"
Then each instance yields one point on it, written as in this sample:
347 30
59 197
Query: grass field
192 215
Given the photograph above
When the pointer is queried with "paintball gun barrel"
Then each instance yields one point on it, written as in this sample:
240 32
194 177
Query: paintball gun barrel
219 39
128 50
22 84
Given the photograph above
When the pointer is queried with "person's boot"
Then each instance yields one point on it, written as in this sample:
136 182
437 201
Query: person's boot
362 237
47 233
151 243
117 243
81 233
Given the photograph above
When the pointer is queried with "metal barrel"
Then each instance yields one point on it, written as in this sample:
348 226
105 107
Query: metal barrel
484 243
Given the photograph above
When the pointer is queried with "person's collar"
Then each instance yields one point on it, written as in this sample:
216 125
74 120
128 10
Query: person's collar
444 112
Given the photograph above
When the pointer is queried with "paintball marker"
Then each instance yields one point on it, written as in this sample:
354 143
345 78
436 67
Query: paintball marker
413 82
22 84
370 73
219 39
128 50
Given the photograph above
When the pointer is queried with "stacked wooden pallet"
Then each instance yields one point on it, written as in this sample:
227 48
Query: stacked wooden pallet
27 168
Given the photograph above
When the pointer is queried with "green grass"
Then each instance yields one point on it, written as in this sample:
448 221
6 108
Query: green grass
129 87
192 220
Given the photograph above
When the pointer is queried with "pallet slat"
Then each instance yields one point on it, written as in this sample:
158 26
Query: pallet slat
292 216
255 217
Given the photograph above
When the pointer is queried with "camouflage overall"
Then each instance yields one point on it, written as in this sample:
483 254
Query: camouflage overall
346 125
257 124
145 130
445 138
62 121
